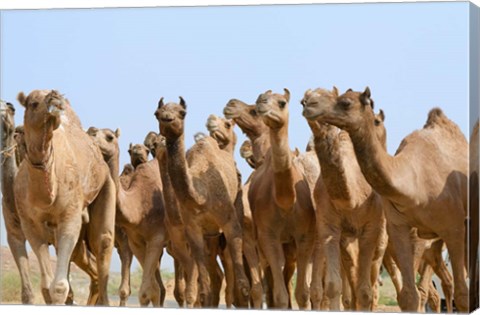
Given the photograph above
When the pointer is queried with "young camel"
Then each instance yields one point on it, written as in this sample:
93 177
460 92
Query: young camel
206 185
280 195
247 119
427 178
222 130
346 206
140 211
62 183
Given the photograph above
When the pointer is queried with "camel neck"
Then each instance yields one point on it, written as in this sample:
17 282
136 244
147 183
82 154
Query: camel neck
179 172
378 167
9 167
340 171
260 147
281 159
172 207
114 166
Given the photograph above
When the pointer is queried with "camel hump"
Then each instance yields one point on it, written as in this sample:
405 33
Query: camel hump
437 119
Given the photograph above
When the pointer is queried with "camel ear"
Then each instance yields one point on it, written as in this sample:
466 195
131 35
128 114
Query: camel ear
182 102
130 147
12 108
287 94
117 133
335 91
349 90
160 103
365 97
381 114
22 99
92 131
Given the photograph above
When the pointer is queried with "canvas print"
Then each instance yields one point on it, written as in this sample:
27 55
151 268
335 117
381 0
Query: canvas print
315 157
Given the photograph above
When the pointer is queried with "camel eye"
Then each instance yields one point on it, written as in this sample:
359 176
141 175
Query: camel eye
183 113
253 112
34 105
109 138
345 103
377 122
228 125
282 104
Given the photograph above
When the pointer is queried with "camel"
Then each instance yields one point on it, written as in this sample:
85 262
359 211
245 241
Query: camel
206 185
247 119
21 149
222 130
474 210
138 154
246 152
427 178
126 175
280 193
140 211
151 141
15 236
52 202
346 206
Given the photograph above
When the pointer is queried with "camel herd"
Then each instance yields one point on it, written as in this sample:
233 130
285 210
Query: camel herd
334 214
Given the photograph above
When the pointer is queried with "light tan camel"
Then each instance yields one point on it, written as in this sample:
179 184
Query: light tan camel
424 185
346 206
140 211
473 269
247 119
15 236
62 183
81 255
246 152
222 130
280 196
206 185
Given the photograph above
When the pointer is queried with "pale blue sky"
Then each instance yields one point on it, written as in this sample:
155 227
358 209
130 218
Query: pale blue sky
114 64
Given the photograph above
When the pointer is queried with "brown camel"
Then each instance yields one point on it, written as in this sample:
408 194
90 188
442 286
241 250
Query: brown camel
20 150
427 178
280 194
62 183
247 119
151 141
206 189
140 211
222 130
346 205
15 236
246 152
473 270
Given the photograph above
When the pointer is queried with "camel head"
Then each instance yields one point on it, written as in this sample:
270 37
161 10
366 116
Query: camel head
273 108
348 111
221 129
171 118
43 110
138 154
246 117
107 140
246 152
19 137
7 113
151 142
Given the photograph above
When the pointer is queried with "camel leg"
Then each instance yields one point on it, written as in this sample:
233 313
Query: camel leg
456 249
426 272
180 252
349 274
331 234
158 276
126 257
197 247
392 270
67 235
435 259
87 262
434 299
16 241
216 273
179 290
377 264
275 257
304 271
256 290
316 286
233 234
227 263
101 233
289 269
367 247
402 252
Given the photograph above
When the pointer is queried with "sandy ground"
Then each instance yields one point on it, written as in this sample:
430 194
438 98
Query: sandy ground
80 284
